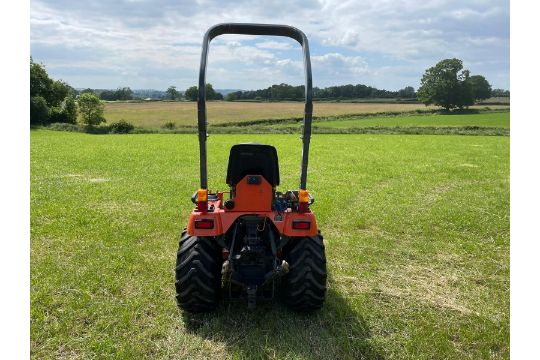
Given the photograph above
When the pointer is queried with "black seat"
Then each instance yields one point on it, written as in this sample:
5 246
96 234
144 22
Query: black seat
253 159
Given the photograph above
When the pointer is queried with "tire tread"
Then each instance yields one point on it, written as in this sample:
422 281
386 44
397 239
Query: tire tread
197 274
304 287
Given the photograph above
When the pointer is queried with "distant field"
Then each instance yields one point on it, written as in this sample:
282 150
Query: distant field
416 228
501 119
155 114
482 123
497 100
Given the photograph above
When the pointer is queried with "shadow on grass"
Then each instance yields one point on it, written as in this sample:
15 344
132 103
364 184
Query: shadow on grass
272 331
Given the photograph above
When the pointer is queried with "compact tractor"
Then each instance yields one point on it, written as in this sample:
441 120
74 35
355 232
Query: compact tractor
255 242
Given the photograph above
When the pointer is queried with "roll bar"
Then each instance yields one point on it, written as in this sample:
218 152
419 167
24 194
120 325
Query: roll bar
254 29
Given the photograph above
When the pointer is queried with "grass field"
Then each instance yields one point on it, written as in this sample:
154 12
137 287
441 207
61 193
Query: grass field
416 231
498 119
497 100
494 122
155 114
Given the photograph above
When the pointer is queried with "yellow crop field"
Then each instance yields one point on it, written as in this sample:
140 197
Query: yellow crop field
155 114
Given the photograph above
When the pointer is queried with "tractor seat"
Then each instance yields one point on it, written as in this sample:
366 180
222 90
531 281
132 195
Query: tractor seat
253 159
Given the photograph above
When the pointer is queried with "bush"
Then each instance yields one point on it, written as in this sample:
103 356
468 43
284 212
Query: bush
69 108
39 111
64 127
90 129
169 125
121 127
58 115
65 113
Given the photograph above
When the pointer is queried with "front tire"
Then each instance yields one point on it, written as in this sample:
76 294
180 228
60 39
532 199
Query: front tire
198 273
304 287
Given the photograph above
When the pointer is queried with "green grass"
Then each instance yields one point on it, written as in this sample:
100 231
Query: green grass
488 119
430 122
482 123
416 230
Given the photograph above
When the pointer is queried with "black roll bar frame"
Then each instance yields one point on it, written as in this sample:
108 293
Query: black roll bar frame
254 29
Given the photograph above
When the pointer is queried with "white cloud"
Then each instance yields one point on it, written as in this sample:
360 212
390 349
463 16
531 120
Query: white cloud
275 45
345 36
409 29
338 64
289 62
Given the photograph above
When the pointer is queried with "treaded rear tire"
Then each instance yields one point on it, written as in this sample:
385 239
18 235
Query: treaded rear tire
304 287
198 273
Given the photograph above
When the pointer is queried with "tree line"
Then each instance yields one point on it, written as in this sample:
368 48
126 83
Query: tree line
50 100
500 93
124 93
277 92
172 93
342 92
54 101
446 84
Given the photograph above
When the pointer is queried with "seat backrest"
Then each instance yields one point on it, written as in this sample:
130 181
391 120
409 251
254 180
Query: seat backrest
253 159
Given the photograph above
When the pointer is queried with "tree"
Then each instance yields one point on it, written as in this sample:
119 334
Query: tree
88 91
39 111
53 91
50 100
40 83
58 91
107 95
446 84
210 92
66 112
191 93
69 108
500 93
233 96
124 93
406 93
91 109
173 93
481 88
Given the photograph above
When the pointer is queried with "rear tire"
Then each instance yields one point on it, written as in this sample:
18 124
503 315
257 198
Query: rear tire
198 273
304 286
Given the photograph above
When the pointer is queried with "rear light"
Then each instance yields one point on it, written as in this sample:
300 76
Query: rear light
301 224
303 200
303 196
202 200
204 224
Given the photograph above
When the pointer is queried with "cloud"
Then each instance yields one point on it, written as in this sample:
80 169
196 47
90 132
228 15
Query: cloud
345 36
275 45
339 64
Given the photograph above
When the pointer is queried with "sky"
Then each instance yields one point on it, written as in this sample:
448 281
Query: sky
155 44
